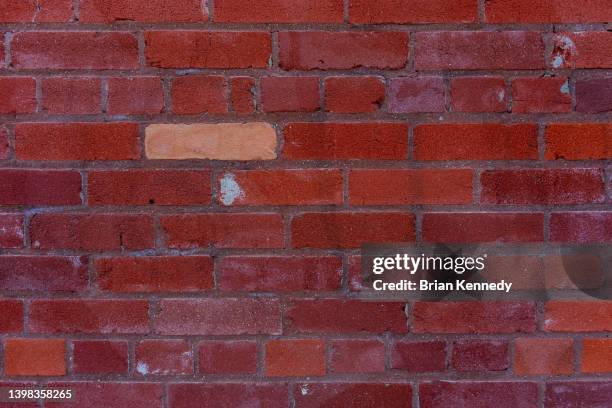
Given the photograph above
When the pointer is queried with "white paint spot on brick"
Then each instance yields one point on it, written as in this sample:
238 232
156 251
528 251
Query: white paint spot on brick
230 189
565 88
142 368
557 61
304 389
501 95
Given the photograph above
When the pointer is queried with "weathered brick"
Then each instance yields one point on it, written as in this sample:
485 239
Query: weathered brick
477 50
269 395
412 11
357 356
99 357
577 394
197 94
295 358
219 317
228 357
11 231
164 11
135 96
31 11
596 356
419 357
221 141
207 49
578 141
40 187
542 186
350 230
104 394
423 186
142 187
280 187
581 227
354 94
279 11
92 232
345 141
500 394
164 357
223 230
576 316
356 395
290 94
77 141
594 95
483 227
77 95
486 141
243 95
417 94
478 94
581 50
543 356
307 50
34 357
344 316
534 95
18 95
74 50
155 274
280 273
480 355
11 319
43 273
547 11
474 317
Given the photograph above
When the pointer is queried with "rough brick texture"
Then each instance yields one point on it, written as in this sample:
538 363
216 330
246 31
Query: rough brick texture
186 187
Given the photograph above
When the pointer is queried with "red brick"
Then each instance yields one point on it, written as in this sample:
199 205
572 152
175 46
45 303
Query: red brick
581 50
228 357
11 319
306 50
295 358
205 49
477 50
4 141
474 317
547 11
576 316
142 187
77 141
31 11
290 94
2 56
268 395
29 357
280 273
71 95
581 227
39 187
594 95
483 227
577 394
412 11
155 274
344 316
416 94
350 230
500 394
263 230
199 94
99 357
486 141
164 357
11 231
92 232
99 394
596 356
354 395
357 356
164 11
534 95
218 317
478 94
410 186
345 141
542 186
135 96
279 11
578 141
480 355
18 95
74 50
243 95
354 94
89 316
43 273
419 357
280 187
543 356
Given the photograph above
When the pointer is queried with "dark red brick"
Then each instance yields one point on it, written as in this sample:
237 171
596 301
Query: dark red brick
478 94
594 95
577 394
419 357
268 395
357 356
99 357
480 355
581 227
43 273
354 395
11 231
11 319
228 357
40 187
164 357
500 394
279 11
416 94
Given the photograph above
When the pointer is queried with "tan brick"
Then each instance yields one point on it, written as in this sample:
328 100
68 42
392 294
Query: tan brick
221 141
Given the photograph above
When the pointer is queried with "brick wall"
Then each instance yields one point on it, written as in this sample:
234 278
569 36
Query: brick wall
184 186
